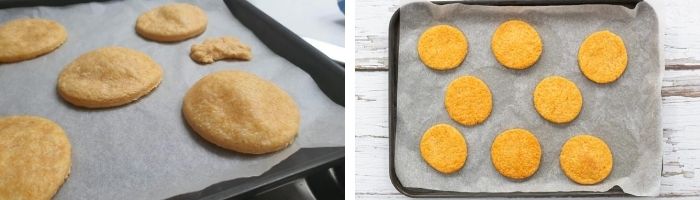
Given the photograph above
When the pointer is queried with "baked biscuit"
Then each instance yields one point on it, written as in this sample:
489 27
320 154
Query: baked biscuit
214 49
586 159
442 47
241 112
108 77
516 44
35 157
172 22
468 100
444 148
516 153
557 99
24 39
602 57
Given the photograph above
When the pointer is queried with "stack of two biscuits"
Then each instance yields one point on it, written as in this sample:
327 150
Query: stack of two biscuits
516 153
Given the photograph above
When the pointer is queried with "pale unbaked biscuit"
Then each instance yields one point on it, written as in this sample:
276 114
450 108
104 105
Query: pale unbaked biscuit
442 47
220 48
108 77
586 159
24 39
557 99
444 148
35 157
516 44
240 111
468 100
516 153
602 57
172 22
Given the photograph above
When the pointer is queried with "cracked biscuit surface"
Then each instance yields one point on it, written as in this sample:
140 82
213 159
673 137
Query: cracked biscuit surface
213 49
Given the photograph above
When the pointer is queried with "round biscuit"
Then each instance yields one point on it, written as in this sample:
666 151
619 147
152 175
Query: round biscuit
444 148
557 99
442 47
586 159
172 22
35 157
242 112
516 44
468 100
24 39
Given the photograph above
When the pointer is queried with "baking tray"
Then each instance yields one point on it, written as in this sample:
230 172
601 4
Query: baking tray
393 73
320 169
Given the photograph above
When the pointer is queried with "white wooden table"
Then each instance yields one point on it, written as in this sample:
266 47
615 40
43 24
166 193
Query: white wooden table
680 92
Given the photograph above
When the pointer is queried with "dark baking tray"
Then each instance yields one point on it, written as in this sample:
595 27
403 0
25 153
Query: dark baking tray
393 72
310 173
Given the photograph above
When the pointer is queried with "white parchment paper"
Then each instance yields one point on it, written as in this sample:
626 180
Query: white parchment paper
145 150
626 113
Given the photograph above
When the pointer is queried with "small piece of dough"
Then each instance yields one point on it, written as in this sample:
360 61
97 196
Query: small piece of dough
516 44
220 48
172 22
24 39
239 111
444 148
557 99
468 100
602 57
516 153
35 157
586 159
442 47
108 77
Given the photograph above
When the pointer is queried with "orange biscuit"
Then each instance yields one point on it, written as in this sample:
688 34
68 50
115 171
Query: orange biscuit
516 44
557 99
602 57
442 47
468 100
516 153
444 148
586 159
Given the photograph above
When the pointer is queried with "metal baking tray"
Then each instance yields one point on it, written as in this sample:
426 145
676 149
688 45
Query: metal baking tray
393 73
309 173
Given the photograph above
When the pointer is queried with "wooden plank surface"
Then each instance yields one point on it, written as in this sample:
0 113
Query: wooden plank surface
680 93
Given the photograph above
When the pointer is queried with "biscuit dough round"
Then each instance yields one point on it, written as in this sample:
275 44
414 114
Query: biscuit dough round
442 47
557 99
35 157
24 39
242 112
468 100
172 22
109 76
516 44
444 148
516 153
586 159
602 57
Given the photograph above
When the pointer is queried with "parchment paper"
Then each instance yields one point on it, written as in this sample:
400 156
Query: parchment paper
145 150
626 113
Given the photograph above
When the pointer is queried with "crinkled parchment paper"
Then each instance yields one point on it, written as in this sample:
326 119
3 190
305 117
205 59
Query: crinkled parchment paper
145 150
626 113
